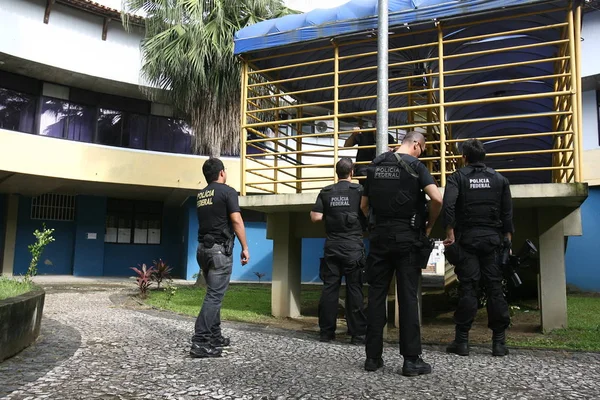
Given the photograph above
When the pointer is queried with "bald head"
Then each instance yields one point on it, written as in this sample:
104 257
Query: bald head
413 144
414 135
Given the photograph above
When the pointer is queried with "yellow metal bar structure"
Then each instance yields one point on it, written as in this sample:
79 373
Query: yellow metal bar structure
574 101
516 87
441 101
577 39
299 156
243 130
336 94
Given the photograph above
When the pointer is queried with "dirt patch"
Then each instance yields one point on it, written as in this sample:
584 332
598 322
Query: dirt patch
437 324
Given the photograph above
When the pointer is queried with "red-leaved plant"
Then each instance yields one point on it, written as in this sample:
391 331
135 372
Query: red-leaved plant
144 278
161 271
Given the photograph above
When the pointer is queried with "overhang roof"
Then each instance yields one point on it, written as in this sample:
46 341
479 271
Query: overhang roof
356 16
99 9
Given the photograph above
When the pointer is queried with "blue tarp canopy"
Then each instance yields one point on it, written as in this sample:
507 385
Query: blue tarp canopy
356 16
529 54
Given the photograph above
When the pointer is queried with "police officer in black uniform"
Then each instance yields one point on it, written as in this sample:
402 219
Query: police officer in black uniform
477 215
339 206
395 195
219 218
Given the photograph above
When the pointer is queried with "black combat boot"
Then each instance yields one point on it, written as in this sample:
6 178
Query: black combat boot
499 344
358 339
220 342
414 366
204 350
373 364
460 345
326 337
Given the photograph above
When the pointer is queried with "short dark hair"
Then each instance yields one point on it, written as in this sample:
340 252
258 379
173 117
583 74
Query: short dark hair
211 169
343 168
413 135
473 151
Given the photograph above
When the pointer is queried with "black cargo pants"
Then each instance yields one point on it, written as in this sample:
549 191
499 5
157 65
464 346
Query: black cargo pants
480 262
335 265
392 250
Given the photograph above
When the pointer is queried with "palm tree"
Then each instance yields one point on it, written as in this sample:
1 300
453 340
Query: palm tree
188 61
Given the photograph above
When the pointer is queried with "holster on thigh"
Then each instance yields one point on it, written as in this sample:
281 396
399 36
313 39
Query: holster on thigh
454 254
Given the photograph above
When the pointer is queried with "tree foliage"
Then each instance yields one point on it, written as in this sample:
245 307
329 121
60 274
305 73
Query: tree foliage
188 61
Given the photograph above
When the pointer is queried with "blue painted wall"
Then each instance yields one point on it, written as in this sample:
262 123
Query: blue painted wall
190 243
57 258
261 249
88 258
582 258
119 258
261 254
312 251
73 253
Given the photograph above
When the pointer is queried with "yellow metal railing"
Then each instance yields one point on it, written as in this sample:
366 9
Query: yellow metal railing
297 115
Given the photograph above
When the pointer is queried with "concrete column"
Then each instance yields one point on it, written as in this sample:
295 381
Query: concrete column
10 238
287 252
553 283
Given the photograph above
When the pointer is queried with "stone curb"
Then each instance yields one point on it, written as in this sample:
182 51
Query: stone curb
20 320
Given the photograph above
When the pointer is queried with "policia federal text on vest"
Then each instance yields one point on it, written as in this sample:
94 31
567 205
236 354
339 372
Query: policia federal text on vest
477 218
339 207
343 219
479 198
397 198
394 193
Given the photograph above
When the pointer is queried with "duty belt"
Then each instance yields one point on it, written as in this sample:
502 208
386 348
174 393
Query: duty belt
391 220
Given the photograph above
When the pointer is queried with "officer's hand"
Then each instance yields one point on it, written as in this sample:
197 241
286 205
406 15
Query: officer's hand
245 257
449 239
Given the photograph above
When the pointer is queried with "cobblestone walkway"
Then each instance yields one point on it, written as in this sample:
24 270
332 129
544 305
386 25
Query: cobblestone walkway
91 349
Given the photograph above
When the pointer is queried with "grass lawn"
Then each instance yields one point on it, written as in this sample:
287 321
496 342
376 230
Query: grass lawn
245 303
583 332
252 303
13 288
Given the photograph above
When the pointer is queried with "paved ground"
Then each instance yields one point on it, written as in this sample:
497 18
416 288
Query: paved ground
92 349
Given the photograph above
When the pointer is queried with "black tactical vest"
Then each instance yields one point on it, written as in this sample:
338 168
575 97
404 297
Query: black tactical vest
394 193
480 198
341 204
